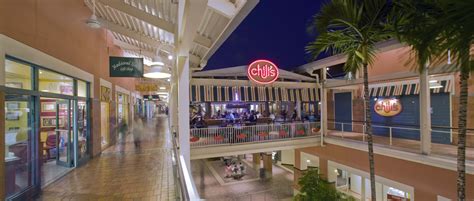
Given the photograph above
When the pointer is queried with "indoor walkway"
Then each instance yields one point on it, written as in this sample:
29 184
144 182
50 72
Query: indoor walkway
123 172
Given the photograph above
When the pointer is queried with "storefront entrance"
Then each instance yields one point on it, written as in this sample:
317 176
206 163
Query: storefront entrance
46 127
56 141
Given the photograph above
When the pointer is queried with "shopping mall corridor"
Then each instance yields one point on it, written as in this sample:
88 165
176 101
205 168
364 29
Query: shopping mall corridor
123 172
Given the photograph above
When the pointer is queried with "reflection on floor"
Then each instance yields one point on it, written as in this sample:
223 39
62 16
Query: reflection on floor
279 187
51 172
123 172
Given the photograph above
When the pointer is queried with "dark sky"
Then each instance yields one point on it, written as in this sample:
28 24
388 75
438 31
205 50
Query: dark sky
274 30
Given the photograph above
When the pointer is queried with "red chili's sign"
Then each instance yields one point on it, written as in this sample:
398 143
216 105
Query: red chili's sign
388 107
263 72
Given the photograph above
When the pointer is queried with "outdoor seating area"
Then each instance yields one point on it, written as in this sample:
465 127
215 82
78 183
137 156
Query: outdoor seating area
238 134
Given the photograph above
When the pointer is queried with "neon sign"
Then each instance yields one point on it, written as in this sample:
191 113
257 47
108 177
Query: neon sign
263 72
388 107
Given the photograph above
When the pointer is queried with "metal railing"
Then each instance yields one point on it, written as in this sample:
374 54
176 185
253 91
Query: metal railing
185 189
405 137
201 137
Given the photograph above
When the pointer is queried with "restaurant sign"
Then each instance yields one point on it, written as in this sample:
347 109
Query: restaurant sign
388 107
126 67
262 72
146 87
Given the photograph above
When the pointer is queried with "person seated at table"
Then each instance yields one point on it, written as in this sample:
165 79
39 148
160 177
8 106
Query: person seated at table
272 116
245 116
294 115
253 117
230 117
218 114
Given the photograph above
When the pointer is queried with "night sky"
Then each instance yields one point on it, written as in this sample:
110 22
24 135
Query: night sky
274 30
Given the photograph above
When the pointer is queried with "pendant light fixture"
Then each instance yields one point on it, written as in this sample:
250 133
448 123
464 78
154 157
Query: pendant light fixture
92 22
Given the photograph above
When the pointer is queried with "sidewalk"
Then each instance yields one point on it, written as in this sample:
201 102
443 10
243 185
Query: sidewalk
123 172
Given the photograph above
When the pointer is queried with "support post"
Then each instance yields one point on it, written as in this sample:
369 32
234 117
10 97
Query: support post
268 164
425 113
324 106
183 108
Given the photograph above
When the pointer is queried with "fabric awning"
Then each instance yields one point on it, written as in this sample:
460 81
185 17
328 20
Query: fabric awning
208 93
408 89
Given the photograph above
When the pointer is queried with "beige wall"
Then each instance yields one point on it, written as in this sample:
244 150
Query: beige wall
58 28
428 181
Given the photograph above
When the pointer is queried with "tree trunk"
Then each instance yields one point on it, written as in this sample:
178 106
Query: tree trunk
461 181
368 127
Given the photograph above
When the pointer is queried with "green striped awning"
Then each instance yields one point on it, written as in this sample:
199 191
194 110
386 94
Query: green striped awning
408 89
208 93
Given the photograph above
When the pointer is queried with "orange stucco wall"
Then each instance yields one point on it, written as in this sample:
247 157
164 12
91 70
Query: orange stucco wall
58 28
428 181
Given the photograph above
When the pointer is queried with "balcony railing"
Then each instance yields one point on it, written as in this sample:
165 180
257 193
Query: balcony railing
202 137
406 138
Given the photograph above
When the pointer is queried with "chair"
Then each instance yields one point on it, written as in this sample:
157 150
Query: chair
49 145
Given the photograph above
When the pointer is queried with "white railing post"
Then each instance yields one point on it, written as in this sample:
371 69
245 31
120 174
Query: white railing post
342 130
390 132
363 133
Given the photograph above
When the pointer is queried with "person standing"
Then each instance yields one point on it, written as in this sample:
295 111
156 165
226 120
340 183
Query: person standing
137 131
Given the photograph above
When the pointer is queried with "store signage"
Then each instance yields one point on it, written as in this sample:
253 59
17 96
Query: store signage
263 72
146 87
388 107
105 94
126 67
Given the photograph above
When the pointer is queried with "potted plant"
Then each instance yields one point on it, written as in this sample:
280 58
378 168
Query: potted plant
315 188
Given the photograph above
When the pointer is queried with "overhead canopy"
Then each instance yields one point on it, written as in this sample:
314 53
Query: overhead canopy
241 71
208 93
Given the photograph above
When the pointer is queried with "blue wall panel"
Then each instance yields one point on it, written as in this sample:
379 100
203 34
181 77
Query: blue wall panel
343 110
410 118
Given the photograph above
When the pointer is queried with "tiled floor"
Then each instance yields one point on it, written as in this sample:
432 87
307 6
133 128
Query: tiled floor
279 187
123 172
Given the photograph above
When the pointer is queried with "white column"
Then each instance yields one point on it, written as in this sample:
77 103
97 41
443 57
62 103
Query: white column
183 108
425 113
362 189
298 109
173 102
324 106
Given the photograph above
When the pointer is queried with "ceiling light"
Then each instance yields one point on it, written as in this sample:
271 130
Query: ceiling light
168 80
92 22
170 57
435 85
158 72
162 87
162 93
433 81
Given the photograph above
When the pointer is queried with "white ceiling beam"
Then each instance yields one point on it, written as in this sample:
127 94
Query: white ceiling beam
120 5
194 59
127 32
127 46
203 41
223 7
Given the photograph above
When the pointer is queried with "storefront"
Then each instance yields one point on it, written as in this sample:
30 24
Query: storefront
122 108
47 127
217 91
105 98
396 104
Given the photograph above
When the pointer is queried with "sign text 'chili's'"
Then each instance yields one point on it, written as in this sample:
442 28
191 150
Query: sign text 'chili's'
263 72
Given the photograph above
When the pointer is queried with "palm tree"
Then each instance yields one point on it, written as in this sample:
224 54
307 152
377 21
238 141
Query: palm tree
352 28
437 30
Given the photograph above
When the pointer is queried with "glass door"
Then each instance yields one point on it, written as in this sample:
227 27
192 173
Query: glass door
63 132
19 135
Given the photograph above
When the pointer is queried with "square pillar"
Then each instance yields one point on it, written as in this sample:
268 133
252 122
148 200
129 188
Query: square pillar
268 164
256 160
2 147
425 113
183 108
324 106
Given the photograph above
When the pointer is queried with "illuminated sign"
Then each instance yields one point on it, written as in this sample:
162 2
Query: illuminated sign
388 107
263 72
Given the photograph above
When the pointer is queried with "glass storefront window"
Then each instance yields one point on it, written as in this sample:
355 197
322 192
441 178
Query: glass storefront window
17 75
18 138
82 128
81 88
55 83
